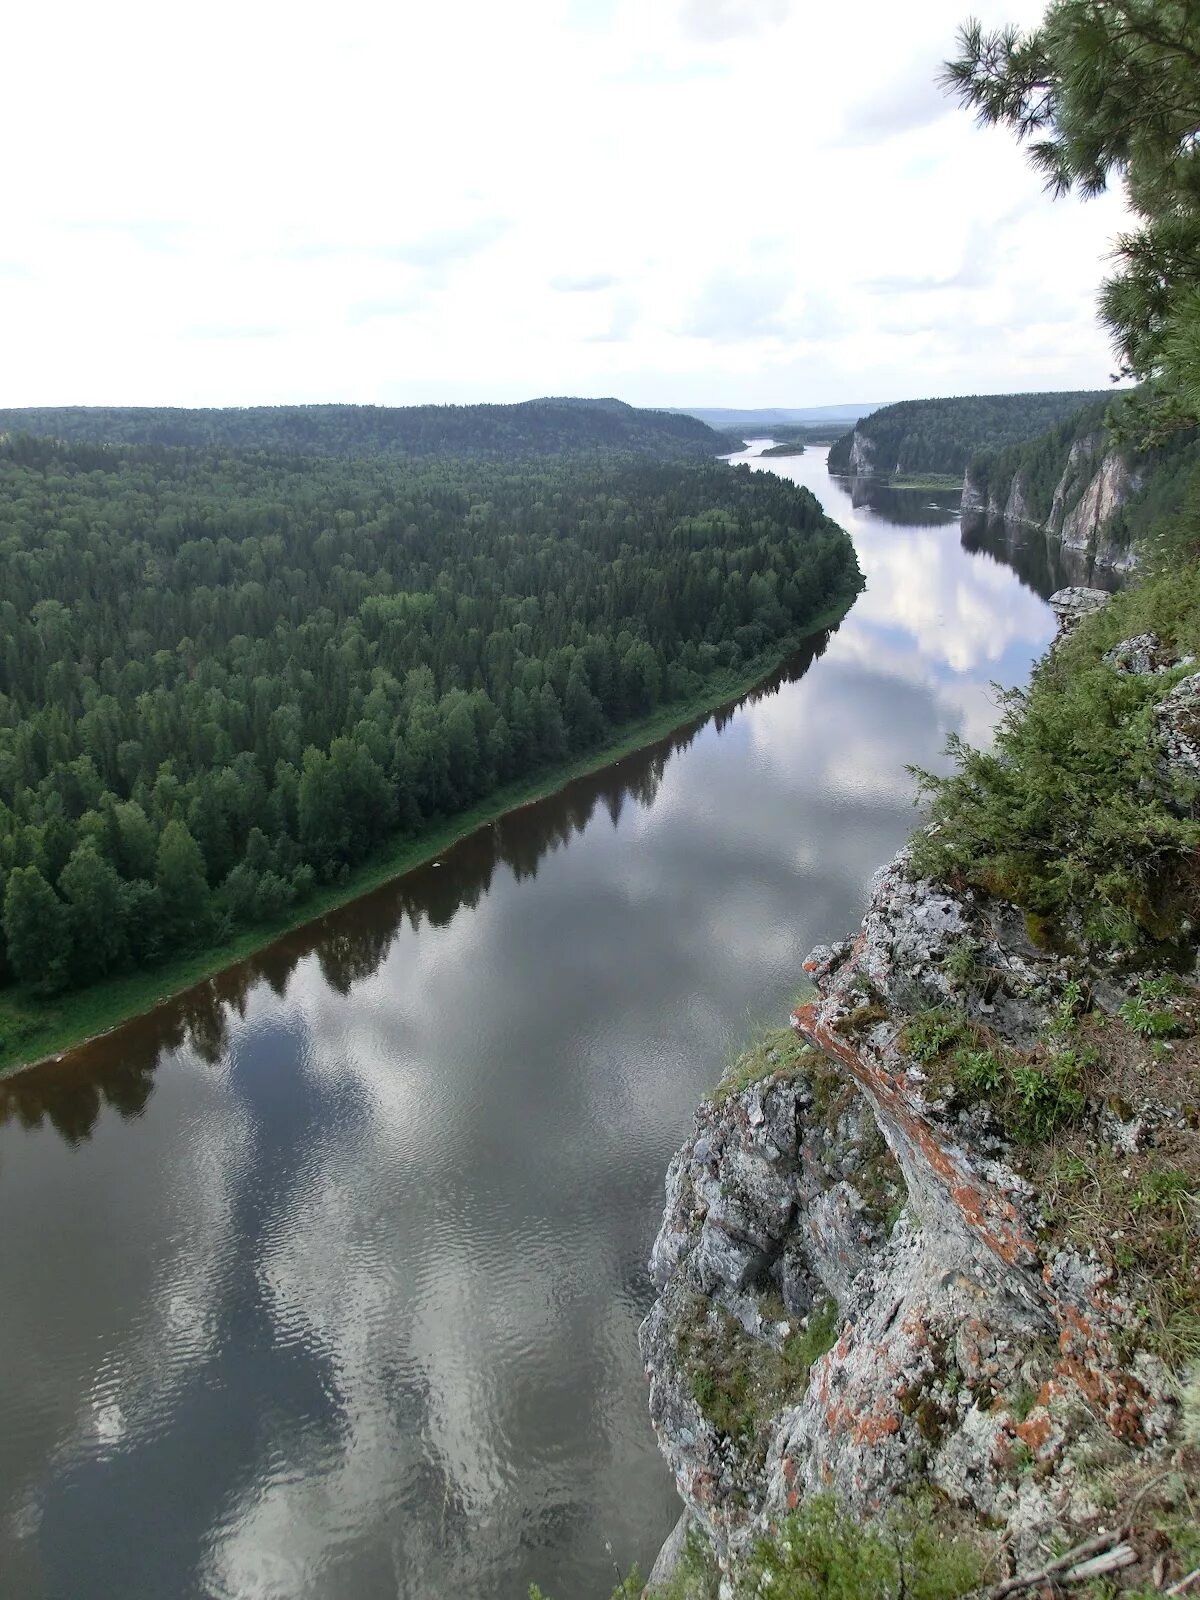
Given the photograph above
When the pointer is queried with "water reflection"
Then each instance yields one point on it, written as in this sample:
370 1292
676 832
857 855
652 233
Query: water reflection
71 1102
351 943
926 508
324 1280
1042 562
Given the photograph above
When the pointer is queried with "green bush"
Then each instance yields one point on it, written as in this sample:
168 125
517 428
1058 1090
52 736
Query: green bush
802 1349
1070 815
819 1553
1031 1097
1147 1012
1044 1098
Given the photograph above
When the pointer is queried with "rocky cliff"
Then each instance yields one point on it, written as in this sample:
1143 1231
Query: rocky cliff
1095 483
941 435
872 1282
862 455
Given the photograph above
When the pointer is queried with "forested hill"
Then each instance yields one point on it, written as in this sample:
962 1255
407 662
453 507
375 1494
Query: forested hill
225 676
942 435
546 427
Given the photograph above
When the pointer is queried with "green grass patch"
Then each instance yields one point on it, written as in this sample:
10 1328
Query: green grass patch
33 1027
740 1383
697 1577
924 480
1148 1011
807 1345
777 1053
961 962
1140 1214
1031 1096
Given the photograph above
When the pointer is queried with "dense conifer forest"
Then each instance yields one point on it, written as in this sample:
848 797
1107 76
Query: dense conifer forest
941 436
534 427
228 676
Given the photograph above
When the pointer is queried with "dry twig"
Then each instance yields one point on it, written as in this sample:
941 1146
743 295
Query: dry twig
1063 1568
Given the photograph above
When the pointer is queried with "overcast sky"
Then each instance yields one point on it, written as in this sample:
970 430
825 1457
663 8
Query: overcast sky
690 202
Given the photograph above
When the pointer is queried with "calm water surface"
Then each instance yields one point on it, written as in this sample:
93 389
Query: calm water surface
323 1282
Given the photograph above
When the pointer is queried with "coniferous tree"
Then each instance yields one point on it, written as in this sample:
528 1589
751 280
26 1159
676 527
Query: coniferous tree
93 893
267 663
182 885
36 930
1104 90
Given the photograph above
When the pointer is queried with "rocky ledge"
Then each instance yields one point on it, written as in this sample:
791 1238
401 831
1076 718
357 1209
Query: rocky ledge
865 1283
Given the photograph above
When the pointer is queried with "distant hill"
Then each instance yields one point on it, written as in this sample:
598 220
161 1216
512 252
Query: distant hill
942 435
552 426
765 418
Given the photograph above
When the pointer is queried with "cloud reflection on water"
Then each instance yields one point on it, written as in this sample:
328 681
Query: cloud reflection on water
377 1232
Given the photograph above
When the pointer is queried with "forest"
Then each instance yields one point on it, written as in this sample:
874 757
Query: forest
941 436
533 427
230 676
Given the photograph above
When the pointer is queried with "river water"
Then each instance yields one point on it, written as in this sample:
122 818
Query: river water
323 1282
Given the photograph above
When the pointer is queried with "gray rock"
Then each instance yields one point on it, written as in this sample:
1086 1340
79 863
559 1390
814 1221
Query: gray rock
782 1190
667 1561
1108 488
841 1237
822 959
723 1261
1139 656
1071 605
1178 717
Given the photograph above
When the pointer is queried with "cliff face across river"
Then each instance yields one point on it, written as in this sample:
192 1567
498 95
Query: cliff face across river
325 1280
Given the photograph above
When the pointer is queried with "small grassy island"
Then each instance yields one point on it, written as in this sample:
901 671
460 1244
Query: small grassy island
924 480
788 447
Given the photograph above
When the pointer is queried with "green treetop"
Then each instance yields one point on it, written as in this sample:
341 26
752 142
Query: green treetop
1104 90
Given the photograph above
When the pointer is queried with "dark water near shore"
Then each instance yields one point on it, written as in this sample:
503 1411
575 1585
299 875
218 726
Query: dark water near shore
323 1282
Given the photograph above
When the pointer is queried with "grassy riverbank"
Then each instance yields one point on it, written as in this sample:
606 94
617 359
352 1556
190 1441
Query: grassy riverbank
33 1027
924 480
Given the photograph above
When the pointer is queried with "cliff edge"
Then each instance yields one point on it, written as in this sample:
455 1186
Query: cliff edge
941 1238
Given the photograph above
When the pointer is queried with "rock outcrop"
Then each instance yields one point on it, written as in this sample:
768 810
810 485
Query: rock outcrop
861 463
1096 481
1085 525
1072 604
843 1190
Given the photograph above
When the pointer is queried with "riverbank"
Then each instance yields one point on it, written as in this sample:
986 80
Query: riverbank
33 1029
923 480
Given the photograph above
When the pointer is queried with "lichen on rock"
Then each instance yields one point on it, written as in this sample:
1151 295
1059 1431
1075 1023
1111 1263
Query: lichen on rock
978 1352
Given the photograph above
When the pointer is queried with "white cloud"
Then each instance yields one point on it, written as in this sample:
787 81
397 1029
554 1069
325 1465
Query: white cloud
682 201
731 19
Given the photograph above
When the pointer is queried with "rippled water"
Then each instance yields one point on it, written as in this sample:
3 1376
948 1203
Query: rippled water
323 1282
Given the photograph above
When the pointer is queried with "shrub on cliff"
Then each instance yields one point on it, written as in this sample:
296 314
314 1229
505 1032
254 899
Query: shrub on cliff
1071 815
820 1553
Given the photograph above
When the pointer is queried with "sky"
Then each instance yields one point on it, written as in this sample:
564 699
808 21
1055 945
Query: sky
679 202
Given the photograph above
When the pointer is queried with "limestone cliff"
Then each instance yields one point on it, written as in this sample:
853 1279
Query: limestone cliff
1095 482
866 1286
860 455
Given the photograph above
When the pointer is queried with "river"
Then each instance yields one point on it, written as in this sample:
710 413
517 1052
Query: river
323 1282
